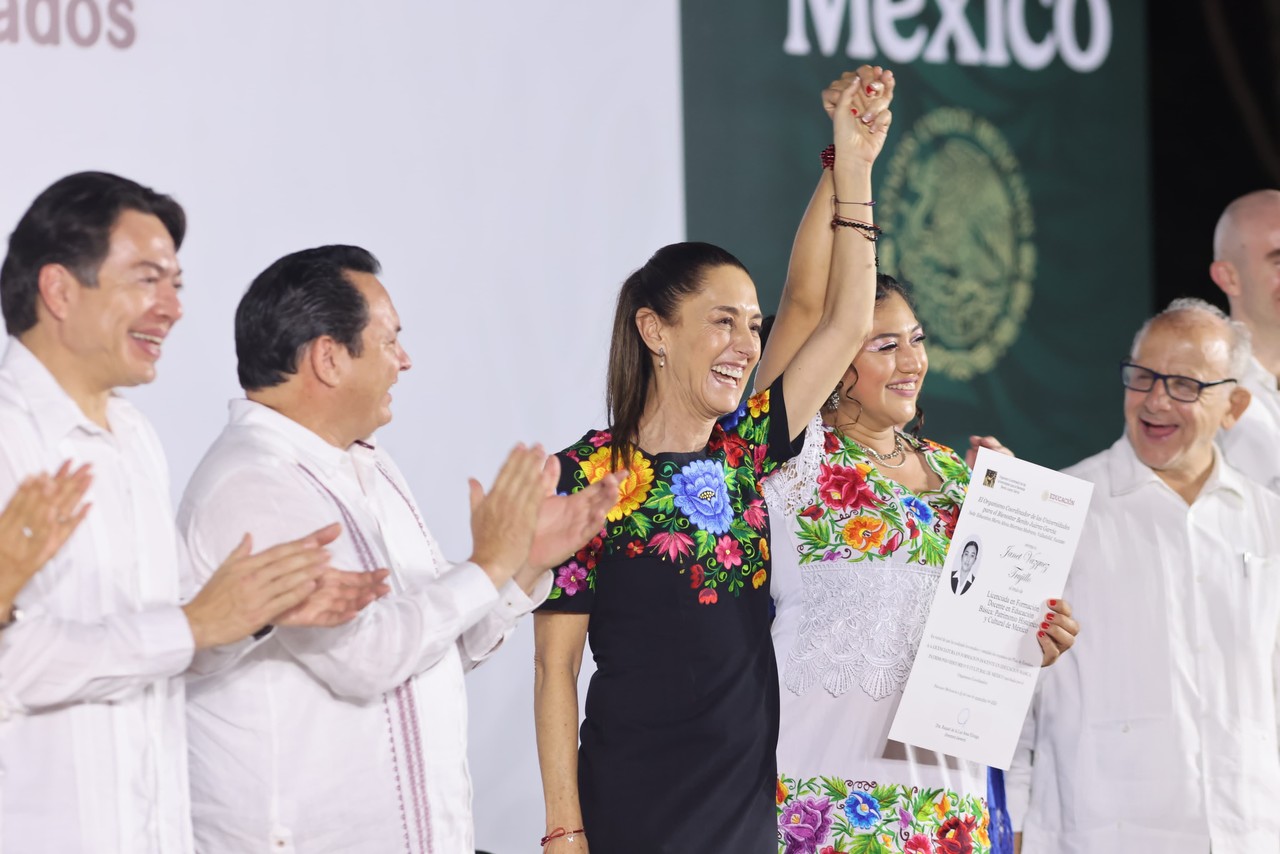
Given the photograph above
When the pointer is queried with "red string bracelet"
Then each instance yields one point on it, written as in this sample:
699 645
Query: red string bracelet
560 832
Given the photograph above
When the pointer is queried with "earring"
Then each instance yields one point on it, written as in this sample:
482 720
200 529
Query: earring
662 357
833 401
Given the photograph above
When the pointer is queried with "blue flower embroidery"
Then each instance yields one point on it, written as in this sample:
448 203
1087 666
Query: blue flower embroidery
728 422
701 494
862 809
918 508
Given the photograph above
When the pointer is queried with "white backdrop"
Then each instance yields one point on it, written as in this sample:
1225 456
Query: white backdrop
509 162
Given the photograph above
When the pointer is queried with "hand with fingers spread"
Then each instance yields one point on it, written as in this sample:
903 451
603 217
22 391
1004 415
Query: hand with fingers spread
976 442
1057 631
339 598
504 520
39 518
250 591
566 522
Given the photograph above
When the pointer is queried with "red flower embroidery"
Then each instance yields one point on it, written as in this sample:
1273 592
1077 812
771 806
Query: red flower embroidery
955 836
635 548
707 596
734 447
812 512
830 443
695 576
892 544
844 488
754 514
601 439
918 844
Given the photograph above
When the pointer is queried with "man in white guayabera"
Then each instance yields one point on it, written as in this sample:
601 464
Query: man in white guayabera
92 745
353 739
1246 265
1158 732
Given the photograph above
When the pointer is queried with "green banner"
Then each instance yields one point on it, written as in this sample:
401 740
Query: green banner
1013 189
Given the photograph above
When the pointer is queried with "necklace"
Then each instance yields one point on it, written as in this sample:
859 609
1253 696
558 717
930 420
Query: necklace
899 450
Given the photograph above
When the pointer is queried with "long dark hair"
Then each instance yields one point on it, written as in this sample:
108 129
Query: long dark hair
673 273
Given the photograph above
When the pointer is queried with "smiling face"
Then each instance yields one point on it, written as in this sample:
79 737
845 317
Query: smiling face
888 374
116 330
713 344
369 377
1173 438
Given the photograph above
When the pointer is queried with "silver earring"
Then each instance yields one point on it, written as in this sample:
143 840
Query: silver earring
662 357
833 402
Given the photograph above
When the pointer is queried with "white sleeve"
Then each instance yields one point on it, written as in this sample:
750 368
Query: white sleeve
483 639
48 660
392 639
1017 780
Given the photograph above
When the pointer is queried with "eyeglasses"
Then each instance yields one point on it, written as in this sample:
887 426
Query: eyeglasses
1183 389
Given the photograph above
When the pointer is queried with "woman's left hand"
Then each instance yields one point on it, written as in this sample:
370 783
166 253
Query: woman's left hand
1057 631
976 442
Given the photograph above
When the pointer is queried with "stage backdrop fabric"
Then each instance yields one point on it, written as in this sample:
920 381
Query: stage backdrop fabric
1013 189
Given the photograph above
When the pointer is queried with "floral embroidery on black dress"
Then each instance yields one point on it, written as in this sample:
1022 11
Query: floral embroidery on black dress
705 516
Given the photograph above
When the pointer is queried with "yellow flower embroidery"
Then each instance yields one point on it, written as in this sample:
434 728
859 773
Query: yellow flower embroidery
758 578
864 532
634 489
764 550
943 807
758 404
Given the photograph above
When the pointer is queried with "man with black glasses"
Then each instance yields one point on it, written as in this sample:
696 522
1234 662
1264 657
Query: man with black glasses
1158 732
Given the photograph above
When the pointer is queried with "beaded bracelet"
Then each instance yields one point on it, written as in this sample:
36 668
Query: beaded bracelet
560 832
828 156
866 229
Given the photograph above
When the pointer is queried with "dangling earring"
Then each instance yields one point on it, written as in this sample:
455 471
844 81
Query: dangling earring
833 402
662 357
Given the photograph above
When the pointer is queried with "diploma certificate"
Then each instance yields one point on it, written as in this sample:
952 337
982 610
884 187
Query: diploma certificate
975 671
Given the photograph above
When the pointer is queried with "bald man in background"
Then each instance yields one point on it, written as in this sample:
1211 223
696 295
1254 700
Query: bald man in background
1246 265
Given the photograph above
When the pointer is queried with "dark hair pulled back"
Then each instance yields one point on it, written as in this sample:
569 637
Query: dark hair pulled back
673 273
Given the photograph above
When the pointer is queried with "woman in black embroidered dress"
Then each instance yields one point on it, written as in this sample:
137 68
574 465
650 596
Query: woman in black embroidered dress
677 746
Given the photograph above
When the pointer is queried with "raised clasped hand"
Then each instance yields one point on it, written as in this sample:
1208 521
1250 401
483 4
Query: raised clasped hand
858 104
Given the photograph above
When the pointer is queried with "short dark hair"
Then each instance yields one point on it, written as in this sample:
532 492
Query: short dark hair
70 224
296 300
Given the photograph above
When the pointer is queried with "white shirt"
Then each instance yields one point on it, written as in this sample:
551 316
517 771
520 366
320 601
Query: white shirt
1253 444
845 635
1157 732
92 746
350 739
